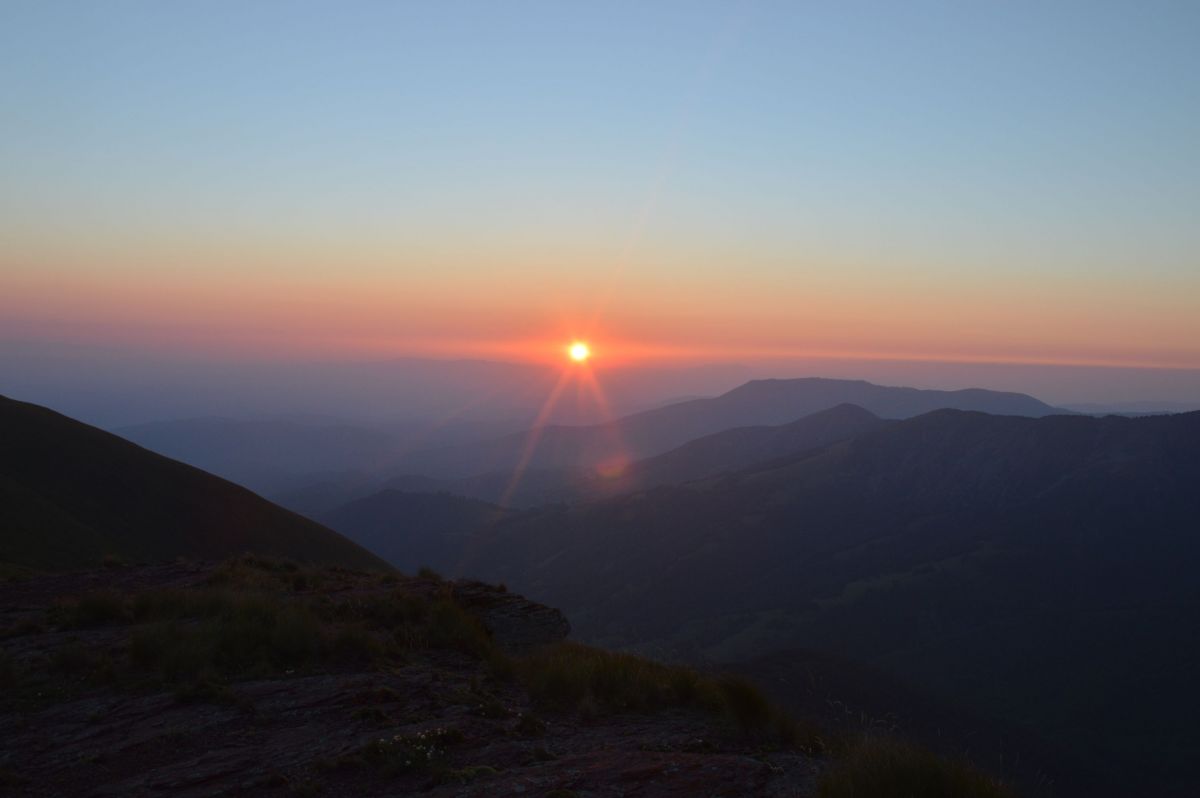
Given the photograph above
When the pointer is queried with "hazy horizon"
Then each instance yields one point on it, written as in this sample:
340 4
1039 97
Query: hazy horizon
675 183
115 387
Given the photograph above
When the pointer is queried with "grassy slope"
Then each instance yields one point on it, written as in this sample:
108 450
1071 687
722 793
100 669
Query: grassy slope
408 654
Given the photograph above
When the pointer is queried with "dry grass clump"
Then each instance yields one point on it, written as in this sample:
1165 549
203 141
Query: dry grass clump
255 617
882 767
251 571
237 635
592 680
249 633
98 608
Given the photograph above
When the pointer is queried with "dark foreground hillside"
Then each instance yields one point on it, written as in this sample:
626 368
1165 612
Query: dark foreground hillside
258 677
71 494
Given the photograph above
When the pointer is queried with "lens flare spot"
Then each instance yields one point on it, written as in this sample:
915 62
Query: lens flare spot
613 467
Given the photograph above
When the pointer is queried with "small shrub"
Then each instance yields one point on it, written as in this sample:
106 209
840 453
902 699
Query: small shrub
356 643
593 681
82 662
568 674
15 573
450 626
885 768
99 608
23 627
748 707
9 778
238 635
466 775
540 754
253 571
530 726
425 572
371 715
410 753
490 707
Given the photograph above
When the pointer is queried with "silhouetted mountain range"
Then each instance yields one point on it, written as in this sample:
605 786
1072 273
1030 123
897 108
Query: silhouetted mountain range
733 450
641 435
72 493
1019 566
708 456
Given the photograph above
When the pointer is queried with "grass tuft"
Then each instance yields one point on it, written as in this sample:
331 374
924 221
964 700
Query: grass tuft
249 619
593 681
250 635
98 608
886 768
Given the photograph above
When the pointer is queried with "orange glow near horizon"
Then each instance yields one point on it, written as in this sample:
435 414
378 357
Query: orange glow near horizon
273 313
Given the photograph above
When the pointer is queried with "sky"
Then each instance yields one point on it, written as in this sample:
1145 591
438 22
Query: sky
971 183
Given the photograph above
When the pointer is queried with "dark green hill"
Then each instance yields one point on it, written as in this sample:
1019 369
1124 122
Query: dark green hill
71 493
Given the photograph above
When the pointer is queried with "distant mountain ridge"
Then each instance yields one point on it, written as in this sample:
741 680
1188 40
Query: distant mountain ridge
985 473
739 448
71 493
721 452
651 432
998 561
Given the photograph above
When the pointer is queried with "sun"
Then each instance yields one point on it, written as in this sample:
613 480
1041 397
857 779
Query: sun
579 351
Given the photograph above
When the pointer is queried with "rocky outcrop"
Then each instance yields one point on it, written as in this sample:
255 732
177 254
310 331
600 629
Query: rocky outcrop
514 622
78 717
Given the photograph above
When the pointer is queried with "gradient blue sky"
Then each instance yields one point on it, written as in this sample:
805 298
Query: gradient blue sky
975 181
